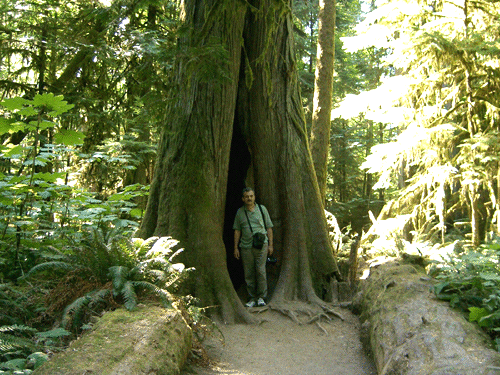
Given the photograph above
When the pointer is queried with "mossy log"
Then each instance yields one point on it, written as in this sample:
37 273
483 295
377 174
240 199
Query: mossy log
150 340
410 332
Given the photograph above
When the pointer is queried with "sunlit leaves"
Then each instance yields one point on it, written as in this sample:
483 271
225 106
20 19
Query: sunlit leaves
447 113
69 137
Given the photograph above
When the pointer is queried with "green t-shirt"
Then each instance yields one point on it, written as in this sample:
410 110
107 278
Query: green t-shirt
256 219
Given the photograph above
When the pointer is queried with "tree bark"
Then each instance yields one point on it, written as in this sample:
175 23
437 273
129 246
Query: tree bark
188 192
274 124
259 99
323 88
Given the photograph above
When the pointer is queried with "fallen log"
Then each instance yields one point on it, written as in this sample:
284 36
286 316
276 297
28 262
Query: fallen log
151 340
409 331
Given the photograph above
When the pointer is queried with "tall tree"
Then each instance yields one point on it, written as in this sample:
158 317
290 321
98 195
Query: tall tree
248 114
323 88
446 103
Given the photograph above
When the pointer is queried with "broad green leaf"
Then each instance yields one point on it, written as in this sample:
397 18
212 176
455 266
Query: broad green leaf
136 212
438 288
490 276
13 104
69 137
14 151
5 125
120 197
46 125
476 313
57 104
49 177
28 111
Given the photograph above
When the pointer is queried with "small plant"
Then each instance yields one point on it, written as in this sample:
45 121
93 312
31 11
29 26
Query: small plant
21 347
471 282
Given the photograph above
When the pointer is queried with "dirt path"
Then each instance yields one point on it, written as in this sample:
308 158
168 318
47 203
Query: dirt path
280 346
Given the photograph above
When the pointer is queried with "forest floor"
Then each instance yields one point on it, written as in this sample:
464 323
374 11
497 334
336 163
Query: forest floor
280 346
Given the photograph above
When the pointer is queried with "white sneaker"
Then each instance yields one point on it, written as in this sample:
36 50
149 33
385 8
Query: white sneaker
261 302
251 303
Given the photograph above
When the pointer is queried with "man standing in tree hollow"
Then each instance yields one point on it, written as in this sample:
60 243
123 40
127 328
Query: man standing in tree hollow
251 219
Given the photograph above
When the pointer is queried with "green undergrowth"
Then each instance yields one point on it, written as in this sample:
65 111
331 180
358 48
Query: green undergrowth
470 281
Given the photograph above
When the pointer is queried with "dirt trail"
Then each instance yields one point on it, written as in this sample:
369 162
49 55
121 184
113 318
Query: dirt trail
280 346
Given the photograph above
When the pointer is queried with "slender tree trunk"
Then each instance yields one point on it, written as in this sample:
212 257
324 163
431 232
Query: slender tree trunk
323 88
475 216
367 190
497 211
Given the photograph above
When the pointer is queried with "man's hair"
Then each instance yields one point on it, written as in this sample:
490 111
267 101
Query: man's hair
246 190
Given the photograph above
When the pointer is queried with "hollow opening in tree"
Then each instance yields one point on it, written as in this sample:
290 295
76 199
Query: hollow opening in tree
239 163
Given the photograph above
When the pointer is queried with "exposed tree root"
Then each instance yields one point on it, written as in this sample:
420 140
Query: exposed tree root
314 312
330 311
321 328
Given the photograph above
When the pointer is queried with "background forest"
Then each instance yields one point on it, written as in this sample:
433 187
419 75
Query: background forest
83 87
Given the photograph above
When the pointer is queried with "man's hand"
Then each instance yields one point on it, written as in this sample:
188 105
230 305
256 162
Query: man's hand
270 250
237 253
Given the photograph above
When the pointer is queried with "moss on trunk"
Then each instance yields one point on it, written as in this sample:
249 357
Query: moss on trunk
151 340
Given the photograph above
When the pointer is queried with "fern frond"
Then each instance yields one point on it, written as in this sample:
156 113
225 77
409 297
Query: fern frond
129 296
119 276
9 343
146 245
17 329
53 334
163 294
49 266
156 276
164 246
175 255
73 312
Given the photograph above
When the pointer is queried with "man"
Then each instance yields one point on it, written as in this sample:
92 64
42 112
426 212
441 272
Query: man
250 219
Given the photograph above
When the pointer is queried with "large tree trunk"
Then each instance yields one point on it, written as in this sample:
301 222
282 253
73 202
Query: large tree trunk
260 101
188 193
323 88
274 125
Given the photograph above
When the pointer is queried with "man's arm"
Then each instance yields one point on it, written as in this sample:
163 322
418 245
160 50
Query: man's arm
270 241
237 236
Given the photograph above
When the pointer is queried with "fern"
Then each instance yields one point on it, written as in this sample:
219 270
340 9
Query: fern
49 266
143 246
163 294
53 334
11 345
73 314
119 276
17 329
129 295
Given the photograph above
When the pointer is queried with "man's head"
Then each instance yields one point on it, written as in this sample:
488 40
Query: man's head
248 197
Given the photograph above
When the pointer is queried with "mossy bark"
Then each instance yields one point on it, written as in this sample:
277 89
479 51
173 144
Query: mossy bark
261 97
409 331
323 89
150 340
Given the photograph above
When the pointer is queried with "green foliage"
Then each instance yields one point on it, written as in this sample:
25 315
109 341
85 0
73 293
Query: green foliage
471 282
20 347
443 101
37 203
133 266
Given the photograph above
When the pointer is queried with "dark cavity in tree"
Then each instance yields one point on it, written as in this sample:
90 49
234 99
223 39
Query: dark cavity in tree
239 163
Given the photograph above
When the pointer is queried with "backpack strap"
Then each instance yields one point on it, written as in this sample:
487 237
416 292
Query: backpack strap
246 214
263 217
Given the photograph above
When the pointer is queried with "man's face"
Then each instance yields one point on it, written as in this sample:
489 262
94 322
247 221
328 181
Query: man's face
248 198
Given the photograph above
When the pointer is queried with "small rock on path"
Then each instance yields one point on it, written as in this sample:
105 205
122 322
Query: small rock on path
280 346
